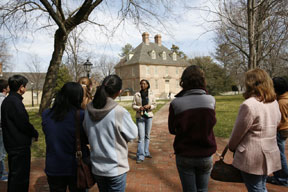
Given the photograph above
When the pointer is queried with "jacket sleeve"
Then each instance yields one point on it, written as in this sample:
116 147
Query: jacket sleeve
134 103
153 103
171 117
21 120
243 123
128 127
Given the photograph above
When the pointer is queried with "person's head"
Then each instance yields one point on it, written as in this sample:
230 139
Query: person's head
259 84
17 83
280 85
110 87
68 98
193 78
4 87
144 84
85 81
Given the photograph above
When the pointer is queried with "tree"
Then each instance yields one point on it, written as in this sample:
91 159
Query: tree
19 15
126 50
216 78
176 49
62 78
35 76
254 28
4 55
105 66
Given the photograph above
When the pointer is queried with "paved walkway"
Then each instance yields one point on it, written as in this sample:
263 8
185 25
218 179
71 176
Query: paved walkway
157 174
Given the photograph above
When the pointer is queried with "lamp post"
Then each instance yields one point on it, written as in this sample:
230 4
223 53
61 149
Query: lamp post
32 86
87 67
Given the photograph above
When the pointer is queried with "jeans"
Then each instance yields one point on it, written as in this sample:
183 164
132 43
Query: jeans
2 154
60 184
19 169
144 128
254 183
194 172
111 184
282 175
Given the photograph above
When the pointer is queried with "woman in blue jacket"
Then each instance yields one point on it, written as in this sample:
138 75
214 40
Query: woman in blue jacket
59 128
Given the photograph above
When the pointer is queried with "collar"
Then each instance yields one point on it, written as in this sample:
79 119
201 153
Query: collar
16 95
191 92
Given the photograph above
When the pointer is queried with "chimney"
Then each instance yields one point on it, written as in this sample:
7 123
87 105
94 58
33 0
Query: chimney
145 38
158 39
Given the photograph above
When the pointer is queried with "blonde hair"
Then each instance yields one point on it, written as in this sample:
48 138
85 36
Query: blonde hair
259 84
86 84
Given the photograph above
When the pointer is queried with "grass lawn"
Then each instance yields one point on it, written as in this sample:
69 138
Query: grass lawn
226 111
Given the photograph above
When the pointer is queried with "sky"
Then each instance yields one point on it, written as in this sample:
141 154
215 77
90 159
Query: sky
188 32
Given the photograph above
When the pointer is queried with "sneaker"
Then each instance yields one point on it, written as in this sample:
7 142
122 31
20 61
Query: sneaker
275 181
4 178
148 156
138 161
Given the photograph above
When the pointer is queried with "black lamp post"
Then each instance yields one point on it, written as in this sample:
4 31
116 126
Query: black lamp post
87 67
32 87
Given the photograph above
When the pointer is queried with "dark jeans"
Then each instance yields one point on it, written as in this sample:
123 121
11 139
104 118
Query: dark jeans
282 175
19 170
111 184
194 173
254 183
60 184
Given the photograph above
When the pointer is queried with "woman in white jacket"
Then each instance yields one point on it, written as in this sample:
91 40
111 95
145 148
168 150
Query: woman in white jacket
109 127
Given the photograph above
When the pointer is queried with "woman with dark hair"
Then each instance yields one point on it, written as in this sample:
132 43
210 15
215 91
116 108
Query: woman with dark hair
109 128
280 177
59 124
253 138
191 120
143 103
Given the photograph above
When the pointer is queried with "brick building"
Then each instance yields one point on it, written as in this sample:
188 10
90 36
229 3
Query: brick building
154 62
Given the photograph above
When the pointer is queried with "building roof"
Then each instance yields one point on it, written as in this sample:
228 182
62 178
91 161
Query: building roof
142 55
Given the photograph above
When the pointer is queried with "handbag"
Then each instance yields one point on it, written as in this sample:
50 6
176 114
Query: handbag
85 178
222 171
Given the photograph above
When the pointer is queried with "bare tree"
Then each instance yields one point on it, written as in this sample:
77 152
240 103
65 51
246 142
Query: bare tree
74 53
4 55
105 66
67 15
35 76
255 28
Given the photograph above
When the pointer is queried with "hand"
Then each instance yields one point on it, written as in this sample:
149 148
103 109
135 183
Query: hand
141 108
147 106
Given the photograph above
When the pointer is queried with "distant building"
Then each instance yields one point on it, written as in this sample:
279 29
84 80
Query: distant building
154 62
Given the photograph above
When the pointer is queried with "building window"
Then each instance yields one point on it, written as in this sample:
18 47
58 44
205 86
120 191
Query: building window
133 85
174 56
153 55
164 55
156 84
167 71
147 70
177 70
156 70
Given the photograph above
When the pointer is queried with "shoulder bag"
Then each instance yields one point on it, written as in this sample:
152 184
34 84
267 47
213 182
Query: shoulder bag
225 172
85 178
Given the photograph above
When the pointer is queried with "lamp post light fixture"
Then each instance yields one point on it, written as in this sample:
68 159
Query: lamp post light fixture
87 67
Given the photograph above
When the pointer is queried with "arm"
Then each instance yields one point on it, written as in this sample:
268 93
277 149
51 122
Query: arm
134 103
171 117
128 127
153 104
242 125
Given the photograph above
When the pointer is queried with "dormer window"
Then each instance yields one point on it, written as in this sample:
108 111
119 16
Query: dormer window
153 54
164 56
174 56
130 55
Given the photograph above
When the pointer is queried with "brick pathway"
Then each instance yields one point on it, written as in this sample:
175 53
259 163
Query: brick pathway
156 174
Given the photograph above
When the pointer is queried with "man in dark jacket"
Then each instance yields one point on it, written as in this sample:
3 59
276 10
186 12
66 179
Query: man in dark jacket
17 135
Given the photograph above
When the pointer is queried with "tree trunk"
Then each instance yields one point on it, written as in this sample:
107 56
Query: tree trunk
60 40
251 34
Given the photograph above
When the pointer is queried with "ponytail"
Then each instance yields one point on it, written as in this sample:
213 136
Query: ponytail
109 87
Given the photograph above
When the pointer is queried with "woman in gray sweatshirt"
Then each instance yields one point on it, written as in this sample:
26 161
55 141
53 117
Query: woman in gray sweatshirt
109 127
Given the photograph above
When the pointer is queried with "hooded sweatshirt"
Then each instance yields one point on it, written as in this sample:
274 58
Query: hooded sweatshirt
109 130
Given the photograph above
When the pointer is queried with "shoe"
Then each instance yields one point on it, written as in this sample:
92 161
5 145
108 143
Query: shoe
4 178
138 161
148 156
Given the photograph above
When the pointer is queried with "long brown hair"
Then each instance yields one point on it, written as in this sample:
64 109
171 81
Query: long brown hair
86 84
259 84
